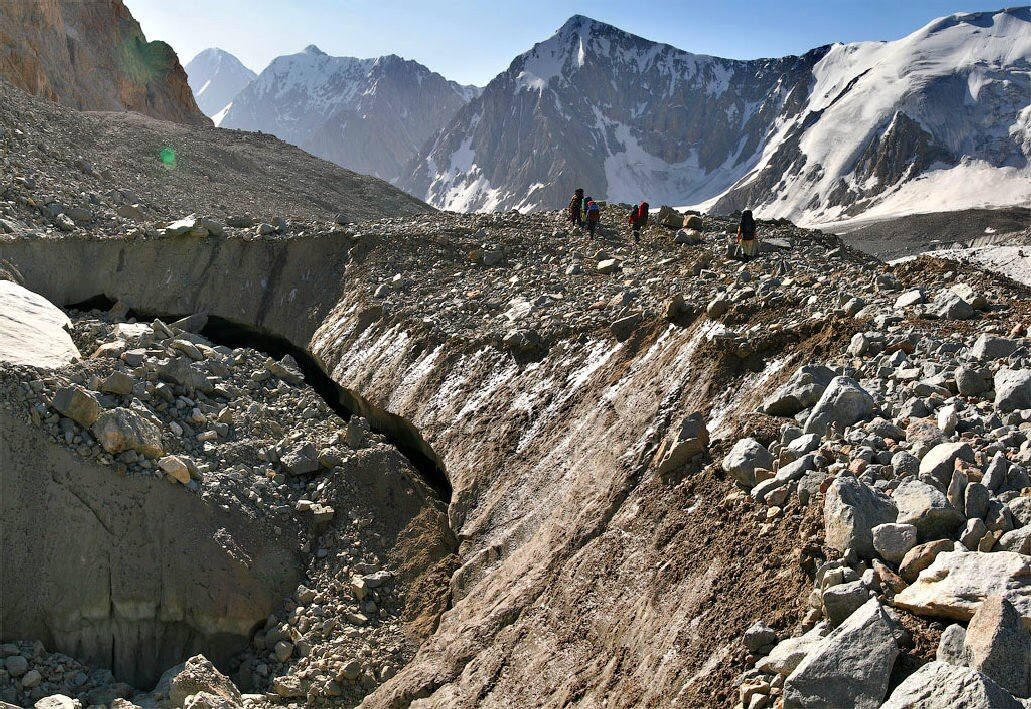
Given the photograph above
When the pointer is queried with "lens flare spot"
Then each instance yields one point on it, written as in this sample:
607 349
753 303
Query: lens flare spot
168 158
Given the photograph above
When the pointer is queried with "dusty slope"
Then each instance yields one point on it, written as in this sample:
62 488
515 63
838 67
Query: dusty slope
92 56
112 165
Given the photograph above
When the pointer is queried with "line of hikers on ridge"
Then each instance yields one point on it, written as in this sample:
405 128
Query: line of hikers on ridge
584 211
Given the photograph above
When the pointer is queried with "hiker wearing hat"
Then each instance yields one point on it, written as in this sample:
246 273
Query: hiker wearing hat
746 234
575 210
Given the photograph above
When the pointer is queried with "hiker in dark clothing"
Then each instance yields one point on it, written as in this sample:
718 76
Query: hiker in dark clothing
576 208
593 215
746 234
638 219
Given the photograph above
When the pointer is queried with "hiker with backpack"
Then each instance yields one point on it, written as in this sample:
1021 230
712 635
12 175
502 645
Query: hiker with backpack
576 208
593 216
746 234
638 219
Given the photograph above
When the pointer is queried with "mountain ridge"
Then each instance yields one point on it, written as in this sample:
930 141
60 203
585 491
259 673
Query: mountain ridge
369 115
724 134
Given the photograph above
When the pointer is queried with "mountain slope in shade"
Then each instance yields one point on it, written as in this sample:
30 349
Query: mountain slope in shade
92 56
368 115
216 77
837 131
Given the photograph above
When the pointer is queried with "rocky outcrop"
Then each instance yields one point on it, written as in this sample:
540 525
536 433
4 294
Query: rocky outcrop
92 56
115 589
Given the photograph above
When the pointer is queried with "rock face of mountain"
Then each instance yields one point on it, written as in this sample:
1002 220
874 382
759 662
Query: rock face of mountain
216 77
92 56
839 130
368 115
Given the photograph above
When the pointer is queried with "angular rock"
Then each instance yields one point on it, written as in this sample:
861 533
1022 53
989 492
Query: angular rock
851 510
921 556
788 654
998 646
200 675
893 540
802 390
758 636
950 646
939 685
850 668
623 328
927 509
78 404
689 439
990 347
302 459
742 460
121 429
956 583
940 461
1012 389
842 404
949 306
1017 540
176 467
842 600
971 381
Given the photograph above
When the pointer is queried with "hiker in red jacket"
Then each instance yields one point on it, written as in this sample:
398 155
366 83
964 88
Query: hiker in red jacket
638 219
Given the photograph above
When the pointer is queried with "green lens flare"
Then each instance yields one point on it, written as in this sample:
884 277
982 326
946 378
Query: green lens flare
168 158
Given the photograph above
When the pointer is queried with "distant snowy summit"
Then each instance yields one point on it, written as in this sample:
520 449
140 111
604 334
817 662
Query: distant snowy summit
937 120
369 115
216 77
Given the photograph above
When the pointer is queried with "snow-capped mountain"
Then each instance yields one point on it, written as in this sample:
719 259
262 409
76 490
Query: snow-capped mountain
841 129
216 77
369 115
936 121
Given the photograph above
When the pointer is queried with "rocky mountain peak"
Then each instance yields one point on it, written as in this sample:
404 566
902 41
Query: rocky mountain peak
216 77
92 56
314 51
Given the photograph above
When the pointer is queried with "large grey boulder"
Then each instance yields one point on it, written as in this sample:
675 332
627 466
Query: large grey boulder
742 460
940 461
950 645
850 668
939 685
842 404
927 509
999 646
851 510
33 330
991 347
949 306
971 381
802 390
788 654
956 583
1012 389
893 540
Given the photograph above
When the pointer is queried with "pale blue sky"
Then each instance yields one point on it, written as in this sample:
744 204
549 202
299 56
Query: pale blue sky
471 41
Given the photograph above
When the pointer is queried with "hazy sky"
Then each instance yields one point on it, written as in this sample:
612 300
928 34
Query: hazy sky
471 41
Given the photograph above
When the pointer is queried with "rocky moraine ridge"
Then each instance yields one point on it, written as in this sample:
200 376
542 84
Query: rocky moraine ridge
675 479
